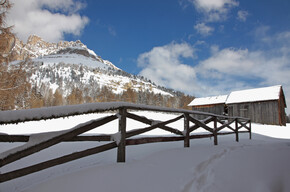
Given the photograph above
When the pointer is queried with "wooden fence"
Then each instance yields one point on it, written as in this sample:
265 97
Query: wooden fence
119 140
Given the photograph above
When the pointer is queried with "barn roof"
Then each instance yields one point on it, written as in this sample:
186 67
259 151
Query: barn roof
252 95
209 100
243 96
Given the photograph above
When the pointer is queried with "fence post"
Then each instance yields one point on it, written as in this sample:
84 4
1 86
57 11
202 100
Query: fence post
215 131
236 130
121 155
250 129
186 130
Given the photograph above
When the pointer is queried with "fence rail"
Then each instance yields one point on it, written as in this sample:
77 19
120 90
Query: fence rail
119 140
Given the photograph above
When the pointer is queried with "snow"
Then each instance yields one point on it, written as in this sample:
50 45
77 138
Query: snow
15 116
249 95
252 95
209 100
92 52
63 66
70 58
260 164
117 137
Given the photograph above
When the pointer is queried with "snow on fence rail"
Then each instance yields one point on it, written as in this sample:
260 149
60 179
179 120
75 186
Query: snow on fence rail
120 140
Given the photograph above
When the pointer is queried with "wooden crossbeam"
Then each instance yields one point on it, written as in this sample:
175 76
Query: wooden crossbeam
14 138
25 138
150 122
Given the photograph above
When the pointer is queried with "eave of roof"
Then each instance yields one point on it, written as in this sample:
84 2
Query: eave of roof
209 100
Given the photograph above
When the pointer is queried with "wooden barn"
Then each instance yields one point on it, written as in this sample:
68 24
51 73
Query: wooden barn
262 105
215 104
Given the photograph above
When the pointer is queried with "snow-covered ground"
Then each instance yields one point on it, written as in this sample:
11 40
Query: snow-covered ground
260 164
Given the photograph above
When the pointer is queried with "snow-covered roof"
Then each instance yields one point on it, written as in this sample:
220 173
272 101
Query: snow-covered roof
249 95
252 95
209 100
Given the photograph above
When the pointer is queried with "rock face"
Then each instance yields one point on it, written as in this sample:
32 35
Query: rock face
36 47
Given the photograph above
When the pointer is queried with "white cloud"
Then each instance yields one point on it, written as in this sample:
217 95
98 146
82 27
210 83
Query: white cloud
231 69
224 70
242 15
164 66
50 19
230 61
214 10
203 29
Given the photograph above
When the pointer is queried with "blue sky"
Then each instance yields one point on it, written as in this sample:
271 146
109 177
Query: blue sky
201 47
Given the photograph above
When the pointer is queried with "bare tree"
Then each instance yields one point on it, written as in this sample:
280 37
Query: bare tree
14 85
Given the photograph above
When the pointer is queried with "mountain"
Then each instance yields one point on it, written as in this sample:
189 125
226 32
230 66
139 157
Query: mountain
68 52
75 72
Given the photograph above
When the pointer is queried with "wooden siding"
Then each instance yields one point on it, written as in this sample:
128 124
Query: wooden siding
265 112
215 109
282 106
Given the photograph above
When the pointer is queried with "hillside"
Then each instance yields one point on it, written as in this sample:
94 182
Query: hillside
70 73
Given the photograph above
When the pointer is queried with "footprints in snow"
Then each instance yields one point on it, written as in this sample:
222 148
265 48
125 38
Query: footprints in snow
204 173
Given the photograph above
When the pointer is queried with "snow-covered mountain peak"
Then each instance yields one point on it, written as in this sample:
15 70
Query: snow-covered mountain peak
64 51
67 67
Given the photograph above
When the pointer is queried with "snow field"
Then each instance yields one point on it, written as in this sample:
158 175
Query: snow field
260 164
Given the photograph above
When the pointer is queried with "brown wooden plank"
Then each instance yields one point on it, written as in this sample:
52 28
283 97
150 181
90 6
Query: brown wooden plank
89 138
14 138
57 161
149 122
25 138
145 140
45 144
